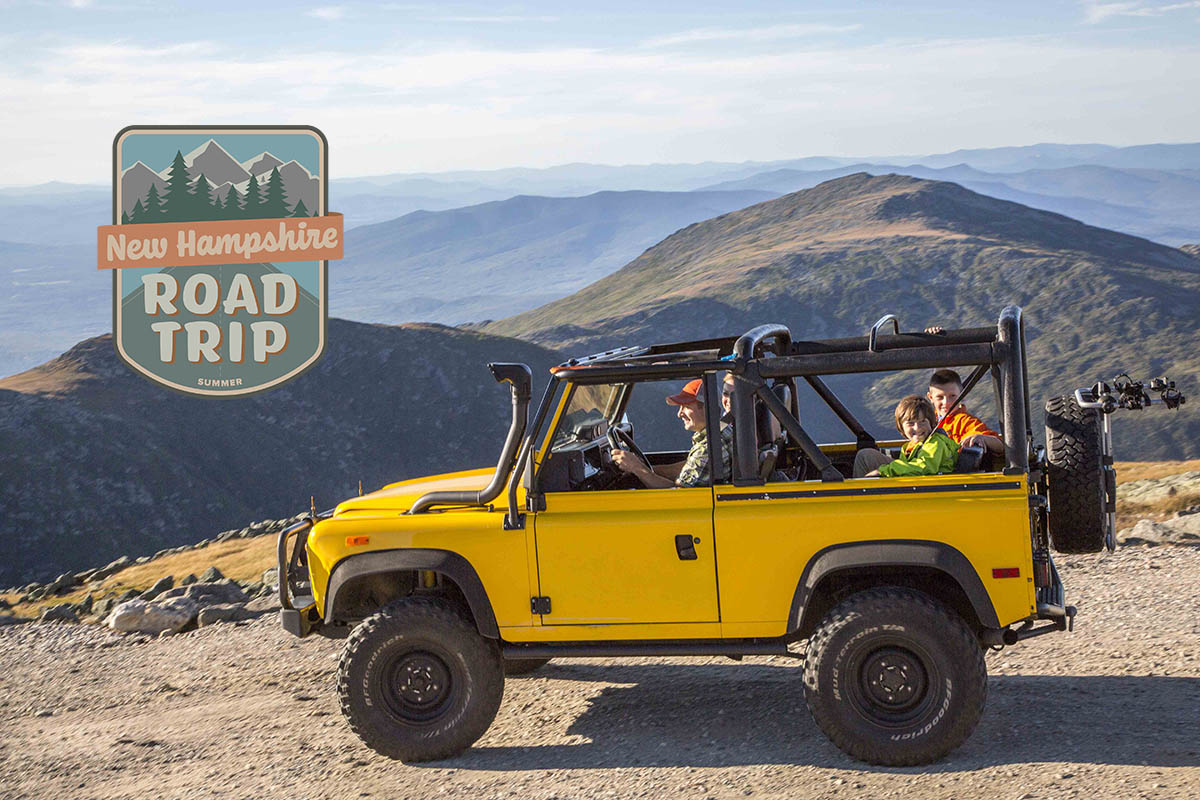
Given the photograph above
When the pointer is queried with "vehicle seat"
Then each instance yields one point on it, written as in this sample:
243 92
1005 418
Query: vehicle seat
772 438
970 459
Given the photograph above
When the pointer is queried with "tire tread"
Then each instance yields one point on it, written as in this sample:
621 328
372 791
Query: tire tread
890 600
441 613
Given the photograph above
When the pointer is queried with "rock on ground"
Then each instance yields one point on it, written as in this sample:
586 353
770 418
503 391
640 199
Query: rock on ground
141 616
1152 490
1180 530
224 612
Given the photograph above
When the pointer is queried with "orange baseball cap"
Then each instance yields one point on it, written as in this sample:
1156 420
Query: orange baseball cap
693 392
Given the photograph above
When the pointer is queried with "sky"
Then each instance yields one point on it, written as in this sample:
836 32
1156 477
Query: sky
416 87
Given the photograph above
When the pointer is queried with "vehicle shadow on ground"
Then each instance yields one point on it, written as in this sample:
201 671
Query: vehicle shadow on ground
720 716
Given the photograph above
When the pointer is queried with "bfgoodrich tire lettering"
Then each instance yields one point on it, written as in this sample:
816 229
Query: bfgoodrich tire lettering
417 682
893 677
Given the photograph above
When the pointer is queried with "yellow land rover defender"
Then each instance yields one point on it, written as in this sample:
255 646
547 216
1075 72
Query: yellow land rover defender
896 586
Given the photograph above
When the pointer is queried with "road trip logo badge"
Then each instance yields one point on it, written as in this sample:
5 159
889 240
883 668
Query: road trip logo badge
219 251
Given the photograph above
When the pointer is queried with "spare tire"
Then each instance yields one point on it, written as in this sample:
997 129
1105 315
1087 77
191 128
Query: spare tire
1075 477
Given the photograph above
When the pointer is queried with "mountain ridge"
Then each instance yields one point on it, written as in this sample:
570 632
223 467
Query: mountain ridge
101 462
829 261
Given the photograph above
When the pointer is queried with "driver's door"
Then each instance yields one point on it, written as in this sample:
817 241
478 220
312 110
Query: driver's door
608 556
627 556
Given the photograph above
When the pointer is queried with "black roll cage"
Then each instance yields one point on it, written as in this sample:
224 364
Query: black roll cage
768 353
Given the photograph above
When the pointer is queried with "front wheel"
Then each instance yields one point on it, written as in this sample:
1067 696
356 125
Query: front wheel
417 682
893 677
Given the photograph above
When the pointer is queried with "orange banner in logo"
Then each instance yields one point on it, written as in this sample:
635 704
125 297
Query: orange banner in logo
194 244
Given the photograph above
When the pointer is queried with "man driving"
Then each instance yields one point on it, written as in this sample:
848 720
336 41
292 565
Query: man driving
695 469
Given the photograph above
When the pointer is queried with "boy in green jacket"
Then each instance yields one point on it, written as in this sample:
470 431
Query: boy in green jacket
934 455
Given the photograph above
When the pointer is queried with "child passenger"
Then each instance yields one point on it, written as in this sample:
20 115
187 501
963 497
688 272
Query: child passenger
922 454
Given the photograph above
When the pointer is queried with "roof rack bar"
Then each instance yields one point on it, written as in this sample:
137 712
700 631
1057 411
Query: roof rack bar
902 341
885 361
723 344
607 373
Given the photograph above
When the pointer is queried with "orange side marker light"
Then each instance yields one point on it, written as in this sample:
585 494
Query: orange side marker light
357 541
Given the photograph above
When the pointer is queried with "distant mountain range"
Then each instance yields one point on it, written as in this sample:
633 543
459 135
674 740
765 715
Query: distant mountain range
99 462
54 296
496 259
830 260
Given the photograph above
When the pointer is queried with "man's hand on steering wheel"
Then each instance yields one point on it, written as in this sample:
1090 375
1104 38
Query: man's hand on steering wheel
622 447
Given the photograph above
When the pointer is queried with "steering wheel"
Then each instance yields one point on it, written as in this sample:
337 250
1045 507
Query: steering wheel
620 439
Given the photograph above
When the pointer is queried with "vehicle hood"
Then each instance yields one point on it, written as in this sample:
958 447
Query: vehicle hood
400 496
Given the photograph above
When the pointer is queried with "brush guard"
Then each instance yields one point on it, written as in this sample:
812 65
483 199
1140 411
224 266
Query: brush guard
298 609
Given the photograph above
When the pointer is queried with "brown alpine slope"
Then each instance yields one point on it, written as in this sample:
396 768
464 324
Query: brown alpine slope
830 260
99 462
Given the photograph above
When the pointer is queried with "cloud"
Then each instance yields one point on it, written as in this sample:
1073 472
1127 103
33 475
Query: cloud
489 20
328 13
769 33
1094 13
414 108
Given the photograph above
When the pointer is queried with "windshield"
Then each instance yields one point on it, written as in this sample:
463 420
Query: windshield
586 415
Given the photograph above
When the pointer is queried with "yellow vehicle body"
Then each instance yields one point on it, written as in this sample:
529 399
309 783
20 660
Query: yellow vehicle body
444 585
609 563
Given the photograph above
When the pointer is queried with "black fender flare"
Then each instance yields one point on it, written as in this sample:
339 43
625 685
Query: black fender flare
452 565
893 553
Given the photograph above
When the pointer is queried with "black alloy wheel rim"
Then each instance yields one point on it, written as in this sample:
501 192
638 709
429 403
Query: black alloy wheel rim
890 683
417 686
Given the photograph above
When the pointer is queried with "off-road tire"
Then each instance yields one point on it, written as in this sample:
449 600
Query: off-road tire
894 677
1078 522
514 667
417 682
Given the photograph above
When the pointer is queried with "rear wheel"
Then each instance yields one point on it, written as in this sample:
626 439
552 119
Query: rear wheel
417 682
1075 477
893 677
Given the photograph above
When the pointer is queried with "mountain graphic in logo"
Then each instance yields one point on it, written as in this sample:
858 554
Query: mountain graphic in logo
217 186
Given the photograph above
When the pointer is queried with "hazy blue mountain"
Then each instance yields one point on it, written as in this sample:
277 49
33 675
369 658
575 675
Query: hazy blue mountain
1011 159
1152 156
69 216
54 296
496 259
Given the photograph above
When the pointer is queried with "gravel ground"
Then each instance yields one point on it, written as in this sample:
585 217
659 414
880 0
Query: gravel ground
1109 711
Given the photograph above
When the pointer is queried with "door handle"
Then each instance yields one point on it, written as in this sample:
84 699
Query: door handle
685 547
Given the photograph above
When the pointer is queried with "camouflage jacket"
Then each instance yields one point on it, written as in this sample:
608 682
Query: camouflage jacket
696 469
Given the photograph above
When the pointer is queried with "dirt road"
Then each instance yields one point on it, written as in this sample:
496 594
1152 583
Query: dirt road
246 711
